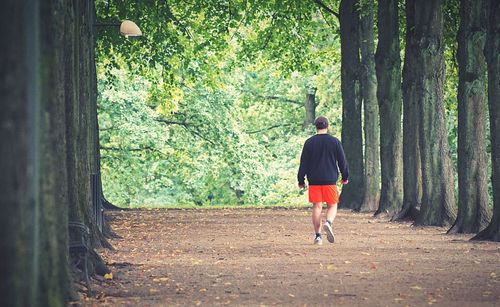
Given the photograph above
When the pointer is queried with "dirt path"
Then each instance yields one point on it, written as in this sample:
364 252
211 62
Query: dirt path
266 257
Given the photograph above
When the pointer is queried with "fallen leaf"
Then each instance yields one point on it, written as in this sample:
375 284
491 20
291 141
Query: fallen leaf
108 276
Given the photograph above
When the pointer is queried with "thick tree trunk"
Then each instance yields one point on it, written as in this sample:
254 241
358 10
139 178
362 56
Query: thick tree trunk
388 66
492 232
473 211
310 107
34 198
438 193
412 174
371 113
352 138
81 114
54 186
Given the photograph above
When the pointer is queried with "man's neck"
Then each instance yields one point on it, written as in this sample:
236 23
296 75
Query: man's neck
322 131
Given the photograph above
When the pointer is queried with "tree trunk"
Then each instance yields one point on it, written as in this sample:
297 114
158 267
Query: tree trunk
81 113
371 113
388 67
412 175
310 106
473 211
492 232
352 194
438 193
34 198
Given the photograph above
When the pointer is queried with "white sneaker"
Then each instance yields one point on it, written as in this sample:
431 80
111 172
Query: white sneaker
329 232
318 241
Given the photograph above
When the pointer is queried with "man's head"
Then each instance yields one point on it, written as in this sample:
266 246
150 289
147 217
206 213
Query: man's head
321 123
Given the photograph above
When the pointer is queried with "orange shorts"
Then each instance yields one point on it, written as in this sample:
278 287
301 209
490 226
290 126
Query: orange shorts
324 194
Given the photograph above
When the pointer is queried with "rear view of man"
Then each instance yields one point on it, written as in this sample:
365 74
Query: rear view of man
322 158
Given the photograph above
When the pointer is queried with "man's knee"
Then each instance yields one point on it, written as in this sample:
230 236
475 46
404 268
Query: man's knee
317 205
330 205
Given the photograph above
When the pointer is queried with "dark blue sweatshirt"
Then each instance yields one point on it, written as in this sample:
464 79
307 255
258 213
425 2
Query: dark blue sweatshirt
322 158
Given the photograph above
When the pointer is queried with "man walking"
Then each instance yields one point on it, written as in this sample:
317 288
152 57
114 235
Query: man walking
322 158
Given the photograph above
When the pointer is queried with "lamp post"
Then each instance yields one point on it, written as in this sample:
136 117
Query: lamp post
127 28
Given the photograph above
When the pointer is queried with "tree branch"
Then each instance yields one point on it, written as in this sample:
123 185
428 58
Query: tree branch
138 149
147 148
281 99
186 126
171 122
326 8
274 97
269 128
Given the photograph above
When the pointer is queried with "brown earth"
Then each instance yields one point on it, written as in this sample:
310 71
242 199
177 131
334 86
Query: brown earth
266 257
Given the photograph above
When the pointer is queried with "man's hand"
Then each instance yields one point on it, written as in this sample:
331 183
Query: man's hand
302 186
344 181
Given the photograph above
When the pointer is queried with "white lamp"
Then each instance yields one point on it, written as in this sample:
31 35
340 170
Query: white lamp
129 28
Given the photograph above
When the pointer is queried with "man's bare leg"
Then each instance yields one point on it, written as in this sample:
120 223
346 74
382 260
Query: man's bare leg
331 212
316 216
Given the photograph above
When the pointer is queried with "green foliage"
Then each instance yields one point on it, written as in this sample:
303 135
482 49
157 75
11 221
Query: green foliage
208 106
199 109
238 143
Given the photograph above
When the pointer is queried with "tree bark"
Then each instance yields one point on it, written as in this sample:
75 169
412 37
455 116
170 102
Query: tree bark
388 67
34 198
492 50
352 194
412 175
473 211
310 107
438 193
371 112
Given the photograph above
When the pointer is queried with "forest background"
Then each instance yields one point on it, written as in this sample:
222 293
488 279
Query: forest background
217 113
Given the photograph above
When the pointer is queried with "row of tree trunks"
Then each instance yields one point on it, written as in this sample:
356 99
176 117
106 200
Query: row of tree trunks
352 194
371 111
49 146
473 211
388 69
492 232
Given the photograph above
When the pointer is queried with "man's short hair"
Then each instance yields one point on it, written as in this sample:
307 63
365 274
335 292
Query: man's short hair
321 122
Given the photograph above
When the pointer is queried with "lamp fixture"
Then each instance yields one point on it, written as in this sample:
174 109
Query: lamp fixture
129 28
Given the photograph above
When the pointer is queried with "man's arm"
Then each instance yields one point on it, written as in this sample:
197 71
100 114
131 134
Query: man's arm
303 167
342 163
